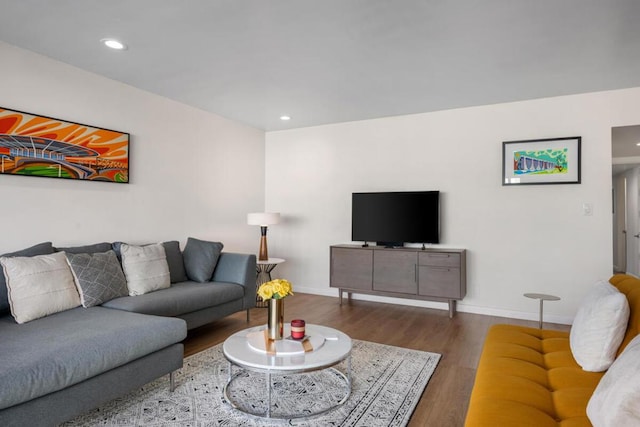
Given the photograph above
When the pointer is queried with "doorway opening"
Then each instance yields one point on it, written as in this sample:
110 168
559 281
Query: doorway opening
625 150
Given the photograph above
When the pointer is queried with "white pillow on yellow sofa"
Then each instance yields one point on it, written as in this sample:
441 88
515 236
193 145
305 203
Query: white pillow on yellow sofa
39 286
145 268
616 400
599 327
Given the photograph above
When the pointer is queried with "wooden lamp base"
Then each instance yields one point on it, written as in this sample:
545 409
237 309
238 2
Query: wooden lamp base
263 254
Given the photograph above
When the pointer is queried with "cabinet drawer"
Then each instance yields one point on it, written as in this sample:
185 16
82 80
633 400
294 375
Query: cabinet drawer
442 282
443 259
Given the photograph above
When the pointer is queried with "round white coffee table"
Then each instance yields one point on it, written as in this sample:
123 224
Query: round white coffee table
250 350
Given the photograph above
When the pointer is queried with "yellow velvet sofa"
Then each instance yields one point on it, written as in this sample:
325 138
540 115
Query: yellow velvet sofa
528 377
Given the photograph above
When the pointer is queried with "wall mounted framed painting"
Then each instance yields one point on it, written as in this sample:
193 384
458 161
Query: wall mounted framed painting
541 161
34 145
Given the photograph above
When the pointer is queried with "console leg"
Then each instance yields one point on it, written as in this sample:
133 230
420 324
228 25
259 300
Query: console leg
540 321
340 292
172 382
452 308
248 311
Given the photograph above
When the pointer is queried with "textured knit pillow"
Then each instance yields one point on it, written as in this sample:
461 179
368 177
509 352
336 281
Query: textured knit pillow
39 249
145 268
615 401
39 286
98 276
201 258
599 327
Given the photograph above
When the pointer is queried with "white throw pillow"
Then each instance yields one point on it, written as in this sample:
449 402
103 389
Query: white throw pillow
39 286
145 268
616 400
599 327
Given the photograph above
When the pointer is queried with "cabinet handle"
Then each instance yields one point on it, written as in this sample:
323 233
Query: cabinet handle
415 273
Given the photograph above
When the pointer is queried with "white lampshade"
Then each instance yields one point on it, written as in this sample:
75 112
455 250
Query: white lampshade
263 218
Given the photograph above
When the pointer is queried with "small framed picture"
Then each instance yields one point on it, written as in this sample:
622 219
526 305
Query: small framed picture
541 161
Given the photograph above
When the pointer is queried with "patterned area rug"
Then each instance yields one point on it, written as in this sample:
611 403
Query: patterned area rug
387 383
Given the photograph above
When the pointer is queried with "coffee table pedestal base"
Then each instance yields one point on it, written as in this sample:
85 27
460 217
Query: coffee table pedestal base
346 378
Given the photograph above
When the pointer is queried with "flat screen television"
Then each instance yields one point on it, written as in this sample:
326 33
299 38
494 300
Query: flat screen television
395 218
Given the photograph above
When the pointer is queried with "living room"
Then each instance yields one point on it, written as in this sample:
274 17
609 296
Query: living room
518 239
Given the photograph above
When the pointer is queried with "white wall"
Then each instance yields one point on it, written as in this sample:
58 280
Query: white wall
519 238
192 173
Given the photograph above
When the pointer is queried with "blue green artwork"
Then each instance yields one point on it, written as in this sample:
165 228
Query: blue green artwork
549 161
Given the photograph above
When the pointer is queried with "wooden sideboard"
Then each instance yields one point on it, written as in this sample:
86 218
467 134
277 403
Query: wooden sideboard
423 274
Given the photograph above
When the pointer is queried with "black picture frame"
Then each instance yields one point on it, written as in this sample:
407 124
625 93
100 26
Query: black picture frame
42 146
542 161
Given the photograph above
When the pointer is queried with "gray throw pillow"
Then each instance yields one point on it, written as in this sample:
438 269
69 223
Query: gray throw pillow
45 248
175 261
87 249
116 246
98 276
200 259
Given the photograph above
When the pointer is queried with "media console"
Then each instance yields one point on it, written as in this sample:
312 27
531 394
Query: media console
414 273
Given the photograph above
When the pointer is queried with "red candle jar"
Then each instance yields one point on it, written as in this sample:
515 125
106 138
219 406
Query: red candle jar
297 329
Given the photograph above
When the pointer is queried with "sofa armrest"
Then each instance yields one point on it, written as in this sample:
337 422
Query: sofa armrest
240 269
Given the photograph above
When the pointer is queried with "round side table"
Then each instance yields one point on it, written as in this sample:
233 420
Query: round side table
264 269
542 298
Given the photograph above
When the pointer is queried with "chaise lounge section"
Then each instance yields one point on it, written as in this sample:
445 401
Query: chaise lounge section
62 365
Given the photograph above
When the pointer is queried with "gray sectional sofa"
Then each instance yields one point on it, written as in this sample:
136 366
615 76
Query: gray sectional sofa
59 366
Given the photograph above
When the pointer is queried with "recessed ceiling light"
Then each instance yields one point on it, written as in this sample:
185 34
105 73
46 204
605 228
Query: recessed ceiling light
114 44
638 144
285 118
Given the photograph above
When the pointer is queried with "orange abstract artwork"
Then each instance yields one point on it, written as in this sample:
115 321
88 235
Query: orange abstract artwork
42 146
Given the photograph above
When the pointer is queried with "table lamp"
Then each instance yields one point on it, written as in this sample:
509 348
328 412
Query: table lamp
263 219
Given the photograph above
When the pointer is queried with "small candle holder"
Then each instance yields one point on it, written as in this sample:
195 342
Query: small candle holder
297 329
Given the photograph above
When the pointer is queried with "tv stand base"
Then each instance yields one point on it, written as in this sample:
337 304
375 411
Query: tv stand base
452 302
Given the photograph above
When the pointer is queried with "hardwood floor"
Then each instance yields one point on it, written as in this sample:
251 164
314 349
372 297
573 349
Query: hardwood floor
459 340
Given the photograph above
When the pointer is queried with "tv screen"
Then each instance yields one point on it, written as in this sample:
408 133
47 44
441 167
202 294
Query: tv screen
394 218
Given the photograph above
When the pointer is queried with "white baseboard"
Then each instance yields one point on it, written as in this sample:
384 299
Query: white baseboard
461 307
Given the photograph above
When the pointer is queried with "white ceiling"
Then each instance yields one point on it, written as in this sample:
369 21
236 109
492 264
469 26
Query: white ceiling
329 61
